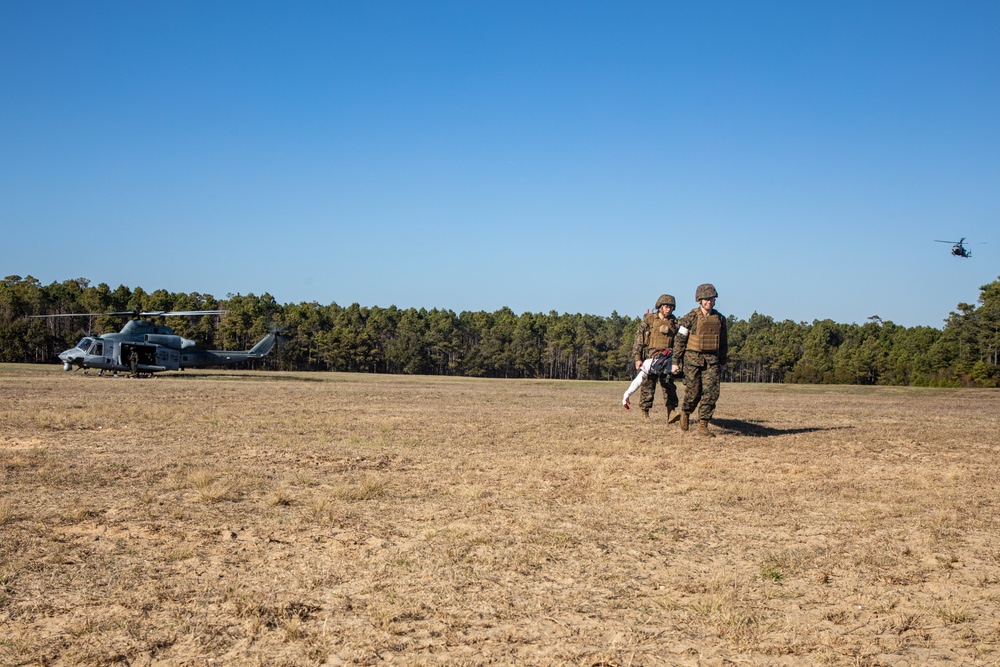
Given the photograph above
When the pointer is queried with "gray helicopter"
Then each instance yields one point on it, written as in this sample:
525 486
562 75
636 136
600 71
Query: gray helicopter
142 347
959 249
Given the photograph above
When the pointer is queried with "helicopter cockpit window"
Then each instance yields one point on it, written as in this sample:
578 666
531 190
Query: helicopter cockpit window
97 349
84 343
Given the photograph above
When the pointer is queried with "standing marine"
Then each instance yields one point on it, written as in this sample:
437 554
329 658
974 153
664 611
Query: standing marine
654 339
133 362
700 349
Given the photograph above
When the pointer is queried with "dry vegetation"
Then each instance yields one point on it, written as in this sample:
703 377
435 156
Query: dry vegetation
219 518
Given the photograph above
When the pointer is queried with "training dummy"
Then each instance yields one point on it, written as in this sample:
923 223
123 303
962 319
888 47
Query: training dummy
656 366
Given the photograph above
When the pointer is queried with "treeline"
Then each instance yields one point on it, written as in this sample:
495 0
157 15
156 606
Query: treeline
965 352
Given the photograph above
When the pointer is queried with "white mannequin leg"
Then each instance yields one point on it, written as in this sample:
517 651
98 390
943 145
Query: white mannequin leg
634 387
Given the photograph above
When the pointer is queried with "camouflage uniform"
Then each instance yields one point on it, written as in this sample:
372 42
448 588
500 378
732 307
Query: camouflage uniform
643 349
702 368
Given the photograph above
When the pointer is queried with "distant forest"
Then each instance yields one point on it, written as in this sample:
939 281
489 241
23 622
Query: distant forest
315 337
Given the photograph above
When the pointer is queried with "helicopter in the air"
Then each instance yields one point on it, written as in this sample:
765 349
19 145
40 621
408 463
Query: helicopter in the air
958 249
142 347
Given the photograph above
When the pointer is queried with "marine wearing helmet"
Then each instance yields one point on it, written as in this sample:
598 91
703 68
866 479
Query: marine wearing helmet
701 349
654 339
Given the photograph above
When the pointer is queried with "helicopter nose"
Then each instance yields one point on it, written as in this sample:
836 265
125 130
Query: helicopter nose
68 357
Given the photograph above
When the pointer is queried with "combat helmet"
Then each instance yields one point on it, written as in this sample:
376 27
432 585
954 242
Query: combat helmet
666 300
705 291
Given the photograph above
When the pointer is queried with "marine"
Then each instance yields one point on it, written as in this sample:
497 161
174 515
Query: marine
700 350
654 339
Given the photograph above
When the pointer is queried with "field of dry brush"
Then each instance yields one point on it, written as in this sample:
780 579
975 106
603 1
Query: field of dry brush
296 519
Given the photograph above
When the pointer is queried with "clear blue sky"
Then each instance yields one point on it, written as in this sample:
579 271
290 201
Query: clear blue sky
568 156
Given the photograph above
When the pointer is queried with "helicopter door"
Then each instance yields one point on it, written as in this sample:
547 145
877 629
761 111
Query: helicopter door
168 358
146 354
97 350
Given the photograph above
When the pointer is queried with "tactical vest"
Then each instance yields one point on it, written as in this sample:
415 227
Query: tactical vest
706 335
661 333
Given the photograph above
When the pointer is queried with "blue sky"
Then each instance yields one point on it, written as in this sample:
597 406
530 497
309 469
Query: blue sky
567 156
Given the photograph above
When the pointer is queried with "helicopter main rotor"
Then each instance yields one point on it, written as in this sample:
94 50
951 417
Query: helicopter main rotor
141 313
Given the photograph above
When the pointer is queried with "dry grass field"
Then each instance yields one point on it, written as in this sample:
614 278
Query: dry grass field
220 518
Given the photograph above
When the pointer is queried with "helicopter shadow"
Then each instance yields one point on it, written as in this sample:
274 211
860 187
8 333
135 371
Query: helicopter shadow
223 375
758 430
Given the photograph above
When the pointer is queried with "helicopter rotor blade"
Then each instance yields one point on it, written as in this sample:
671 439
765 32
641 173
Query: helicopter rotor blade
71 315
141 313
166 313
191 313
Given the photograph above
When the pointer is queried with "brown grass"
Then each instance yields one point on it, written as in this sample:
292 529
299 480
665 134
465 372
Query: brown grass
295 519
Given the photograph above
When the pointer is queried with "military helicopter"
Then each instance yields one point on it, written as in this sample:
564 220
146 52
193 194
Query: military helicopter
958 249
156 348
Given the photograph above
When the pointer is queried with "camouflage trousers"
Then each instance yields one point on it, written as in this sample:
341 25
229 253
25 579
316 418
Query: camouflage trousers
702 377
647 391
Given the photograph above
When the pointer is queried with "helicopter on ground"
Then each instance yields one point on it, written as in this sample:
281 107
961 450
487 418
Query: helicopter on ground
142 347
958 249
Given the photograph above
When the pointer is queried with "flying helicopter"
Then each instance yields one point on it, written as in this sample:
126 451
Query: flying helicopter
157 348
958 249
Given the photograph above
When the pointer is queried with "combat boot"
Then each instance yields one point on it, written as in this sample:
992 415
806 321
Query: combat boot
645 414
703 429
673 415
684 420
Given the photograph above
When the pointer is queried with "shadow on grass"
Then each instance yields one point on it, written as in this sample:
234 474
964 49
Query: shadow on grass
236 375
757 430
